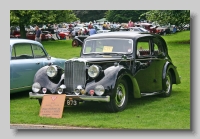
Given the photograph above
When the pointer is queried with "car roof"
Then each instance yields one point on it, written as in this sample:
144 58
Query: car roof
125 34
17 40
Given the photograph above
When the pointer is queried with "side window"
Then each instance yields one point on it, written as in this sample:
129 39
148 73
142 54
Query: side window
38 51
157 46
143 47
22 51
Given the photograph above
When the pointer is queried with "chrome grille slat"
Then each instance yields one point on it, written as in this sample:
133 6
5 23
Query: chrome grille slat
74 74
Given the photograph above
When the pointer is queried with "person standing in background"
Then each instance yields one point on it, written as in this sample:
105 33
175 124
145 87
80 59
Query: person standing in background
92 31
38 34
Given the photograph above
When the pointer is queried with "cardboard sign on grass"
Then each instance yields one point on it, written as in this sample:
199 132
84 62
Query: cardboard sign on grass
52 106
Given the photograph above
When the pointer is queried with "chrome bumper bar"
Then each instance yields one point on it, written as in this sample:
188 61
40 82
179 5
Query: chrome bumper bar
75 97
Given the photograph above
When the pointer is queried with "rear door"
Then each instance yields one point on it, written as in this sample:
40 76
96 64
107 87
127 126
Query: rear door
145 74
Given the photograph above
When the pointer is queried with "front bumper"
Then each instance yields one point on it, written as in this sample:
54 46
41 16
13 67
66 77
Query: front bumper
74 97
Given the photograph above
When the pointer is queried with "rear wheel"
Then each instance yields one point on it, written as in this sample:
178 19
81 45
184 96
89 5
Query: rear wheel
119 99
167 85
75 43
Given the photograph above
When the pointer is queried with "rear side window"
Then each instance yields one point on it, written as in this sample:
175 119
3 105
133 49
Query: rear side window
143 46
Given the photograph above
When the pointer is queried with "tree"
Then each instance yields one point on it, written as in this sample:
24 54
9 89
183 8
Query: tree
124 15
175 17
22 18
89 15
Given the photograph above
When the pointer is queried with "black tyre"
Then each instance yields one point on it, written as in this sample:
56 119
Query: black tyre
119 99
75 43
167 85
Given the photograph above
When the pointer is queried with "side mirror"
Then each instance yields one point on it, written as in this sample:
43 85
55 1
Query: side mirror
49 57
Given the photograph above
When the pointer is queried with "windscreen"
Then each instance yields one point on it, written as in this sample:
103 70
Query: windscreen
112 45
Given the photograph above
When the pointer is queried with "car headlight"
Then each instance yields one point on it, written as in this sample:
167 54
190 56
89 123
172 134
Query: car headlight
36 87
52 71
99 90
93 71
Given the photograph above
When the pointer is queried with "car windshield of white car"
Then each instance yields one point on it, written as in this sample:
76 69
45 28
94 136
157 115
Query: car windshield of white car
111 45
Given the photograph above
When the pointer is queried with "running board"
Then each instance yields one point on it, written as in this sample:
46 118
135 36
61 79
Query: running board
151 94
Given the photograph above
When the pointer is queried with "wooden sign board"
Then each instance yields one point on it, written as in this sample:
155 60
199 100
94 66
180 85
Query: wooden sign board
52 106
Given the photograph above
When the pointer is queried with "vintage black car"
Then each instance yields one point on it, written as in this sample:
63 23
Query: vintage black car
113 68
78 40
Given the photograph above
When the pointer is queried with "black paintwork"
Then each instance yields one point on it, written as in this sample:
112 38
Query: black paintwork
143 74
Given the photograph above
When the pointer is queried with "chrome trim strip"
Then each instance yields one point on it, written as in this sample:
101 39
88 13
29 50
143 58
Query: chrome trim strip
21 88
76 97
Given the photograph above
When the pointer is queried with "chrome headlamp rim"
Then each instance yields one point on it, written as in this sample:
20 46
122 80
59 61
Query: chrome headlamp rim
92 69
52 71
36 87
99 90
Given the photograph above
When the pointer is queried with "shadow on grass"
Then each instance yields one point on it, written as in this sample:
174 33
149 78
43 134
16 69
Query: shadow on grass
86 107
140 102
180 42
19 95
100 107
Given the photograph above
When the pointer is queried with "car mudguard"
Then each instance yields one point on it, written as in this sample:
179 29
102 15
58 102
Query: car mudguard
109 79
169 66
76 38
42 78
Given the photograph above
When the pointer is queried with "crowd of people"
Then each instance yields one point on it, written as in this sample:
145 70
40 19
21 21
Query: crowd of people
90 29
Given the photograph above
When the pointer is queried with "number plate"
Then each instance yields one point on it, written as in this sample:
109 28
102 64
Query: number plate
71 102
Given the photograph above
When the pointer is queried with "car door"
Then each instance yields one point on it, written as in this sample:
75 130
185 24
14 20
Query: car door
146 72
23 66
158 57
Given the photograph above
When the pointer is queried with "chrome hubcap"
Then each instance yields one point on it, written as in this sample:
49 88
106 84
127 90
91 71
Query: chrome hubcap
120 95
168 84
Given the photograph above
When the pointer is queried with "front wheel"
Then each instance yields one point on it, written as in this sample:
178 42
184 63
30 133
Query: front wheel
119 99
167 85
75 43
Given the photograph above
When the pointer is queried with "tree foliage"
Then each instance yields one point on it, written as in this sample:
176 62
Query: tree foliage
22 18
89 15
124 15
164 17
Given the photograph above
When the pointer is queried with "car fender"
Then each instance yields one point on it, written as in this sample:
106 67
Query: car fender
173 69
110 77
76 38
42 78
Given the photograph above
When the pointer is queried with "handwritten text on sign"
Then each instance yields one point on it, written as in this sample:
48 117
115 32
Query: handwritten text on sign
52 106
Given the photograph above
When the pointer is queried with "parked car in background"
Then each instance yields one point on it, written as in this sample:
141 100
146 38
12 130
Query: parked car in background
15 34
103 31
138 29
45 35
26 58
113 68
78 40
151 28
162 30
63 33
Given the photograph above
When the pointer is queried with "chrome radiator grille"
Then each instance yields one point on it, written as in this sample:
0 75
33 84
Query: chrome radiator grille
74 74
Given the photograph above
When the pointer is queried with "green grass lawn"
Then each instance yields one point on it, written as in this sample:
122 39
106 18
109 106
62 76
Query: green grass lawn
145 113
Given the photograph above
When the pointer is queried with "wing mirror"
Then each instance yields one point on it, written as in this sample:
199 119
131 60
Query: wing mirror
49 57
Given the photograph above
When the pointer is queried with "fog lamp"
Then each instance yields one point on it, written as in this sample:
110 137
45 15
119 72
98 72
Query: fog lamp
99 90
